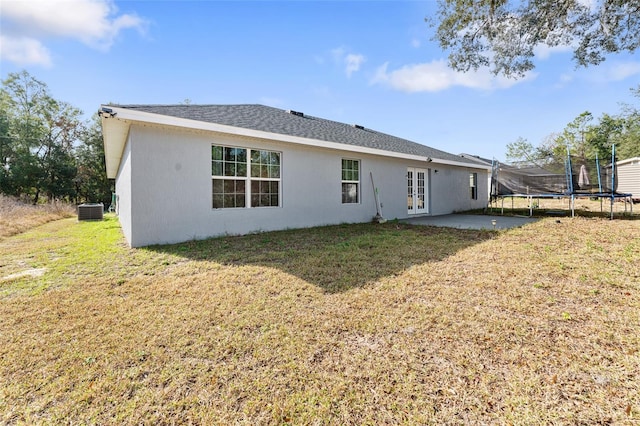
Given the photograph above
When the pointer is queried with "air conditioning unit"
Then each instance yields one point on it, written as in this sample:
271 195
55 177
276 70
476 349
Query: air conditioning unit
90 211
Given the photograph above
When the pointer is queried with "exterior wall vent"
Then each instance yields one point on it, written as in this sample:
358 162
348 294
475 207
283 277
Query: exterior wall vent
298 113
357 126
90 211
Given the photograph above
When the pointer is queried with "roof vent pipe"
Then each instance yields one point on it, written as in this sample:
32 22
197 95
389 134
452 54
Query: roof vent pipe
357 126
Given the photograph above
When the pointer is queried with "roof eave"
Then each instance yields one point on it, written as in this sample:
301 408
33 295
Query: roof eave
115 132
114 144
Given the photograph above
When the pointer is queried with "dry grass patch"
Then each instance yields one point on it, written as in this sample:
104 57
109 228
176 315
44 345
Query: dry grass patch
16 216
363 324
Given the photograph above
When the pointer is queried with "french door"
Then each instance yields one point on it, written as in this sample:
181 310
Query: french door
417 191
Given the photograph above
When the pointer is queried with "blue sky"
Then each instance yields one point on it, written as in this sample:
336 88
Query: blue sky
367 62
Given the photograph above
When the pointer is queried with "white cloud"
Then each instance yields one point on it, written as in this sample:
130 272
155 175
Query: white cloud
621 70
436 76
24 51
350 61
416 43
353 62
612 72
542 51
92 22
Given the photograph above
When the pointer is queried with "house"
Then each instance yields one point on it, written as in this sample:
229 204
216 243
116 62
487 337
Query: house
195 171
484 161
629 177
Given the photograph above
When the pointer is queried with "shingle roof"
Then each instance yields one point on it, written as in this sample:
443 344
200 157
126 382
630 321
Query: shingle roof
274 120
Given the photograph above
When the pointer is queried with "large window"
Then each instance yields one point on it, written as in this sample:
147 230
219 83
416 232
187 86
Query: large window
244 177
350 181
473 185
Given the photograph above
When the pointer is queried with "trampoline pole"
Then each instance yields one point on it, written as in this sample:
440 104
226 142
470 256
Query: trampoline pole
613 175
611 206
599 180
598 168
573 206
569 170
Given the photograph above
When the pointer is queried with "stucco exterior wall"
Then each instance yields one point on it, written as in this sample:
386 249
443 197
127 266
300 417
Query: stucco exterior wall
168 173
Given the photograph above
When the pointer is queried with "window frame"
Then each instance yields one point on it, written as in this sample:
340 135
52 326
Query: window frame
473 185
355 182
228 171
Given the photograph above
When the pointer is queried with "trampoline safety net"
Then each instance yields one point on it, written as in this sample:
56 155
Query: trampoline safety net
575 175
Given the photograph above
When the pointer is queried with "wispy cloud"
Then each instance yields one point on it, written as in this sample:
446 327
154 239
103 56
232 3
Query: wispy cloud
26 24
622 70
350 61
542 51
436 76
613 71
24 51
353 63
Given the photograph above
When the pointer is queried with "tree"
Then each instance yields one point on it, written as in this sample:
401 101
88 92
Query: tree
6 143
607 132
575 137
521 152
41 133
628 143
503 34
91 181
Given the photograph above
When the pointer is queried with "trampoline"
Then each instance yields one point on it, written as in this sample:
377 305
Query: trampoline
572 178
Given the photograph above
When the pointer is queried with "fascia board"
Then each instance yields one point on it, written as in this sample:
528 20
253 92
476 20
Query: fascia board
461 164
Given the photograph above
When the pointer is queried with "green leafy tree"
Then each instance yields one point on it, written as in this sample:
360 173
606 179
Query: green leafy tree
628 143
21 96
575 137
607 132
503 34
521 153
6 143
91 181
55 150
42 133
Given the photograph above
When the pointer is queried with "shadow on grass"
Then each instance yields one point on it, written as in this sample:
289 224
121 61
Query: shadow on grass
335 258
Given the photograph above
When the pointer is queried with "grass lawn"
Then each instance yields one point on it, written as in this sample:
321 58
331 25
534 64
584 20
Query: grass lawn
358 324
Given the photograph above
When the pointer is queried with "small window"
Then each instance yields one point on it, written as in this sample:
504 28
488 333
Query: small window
473 185
350 181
